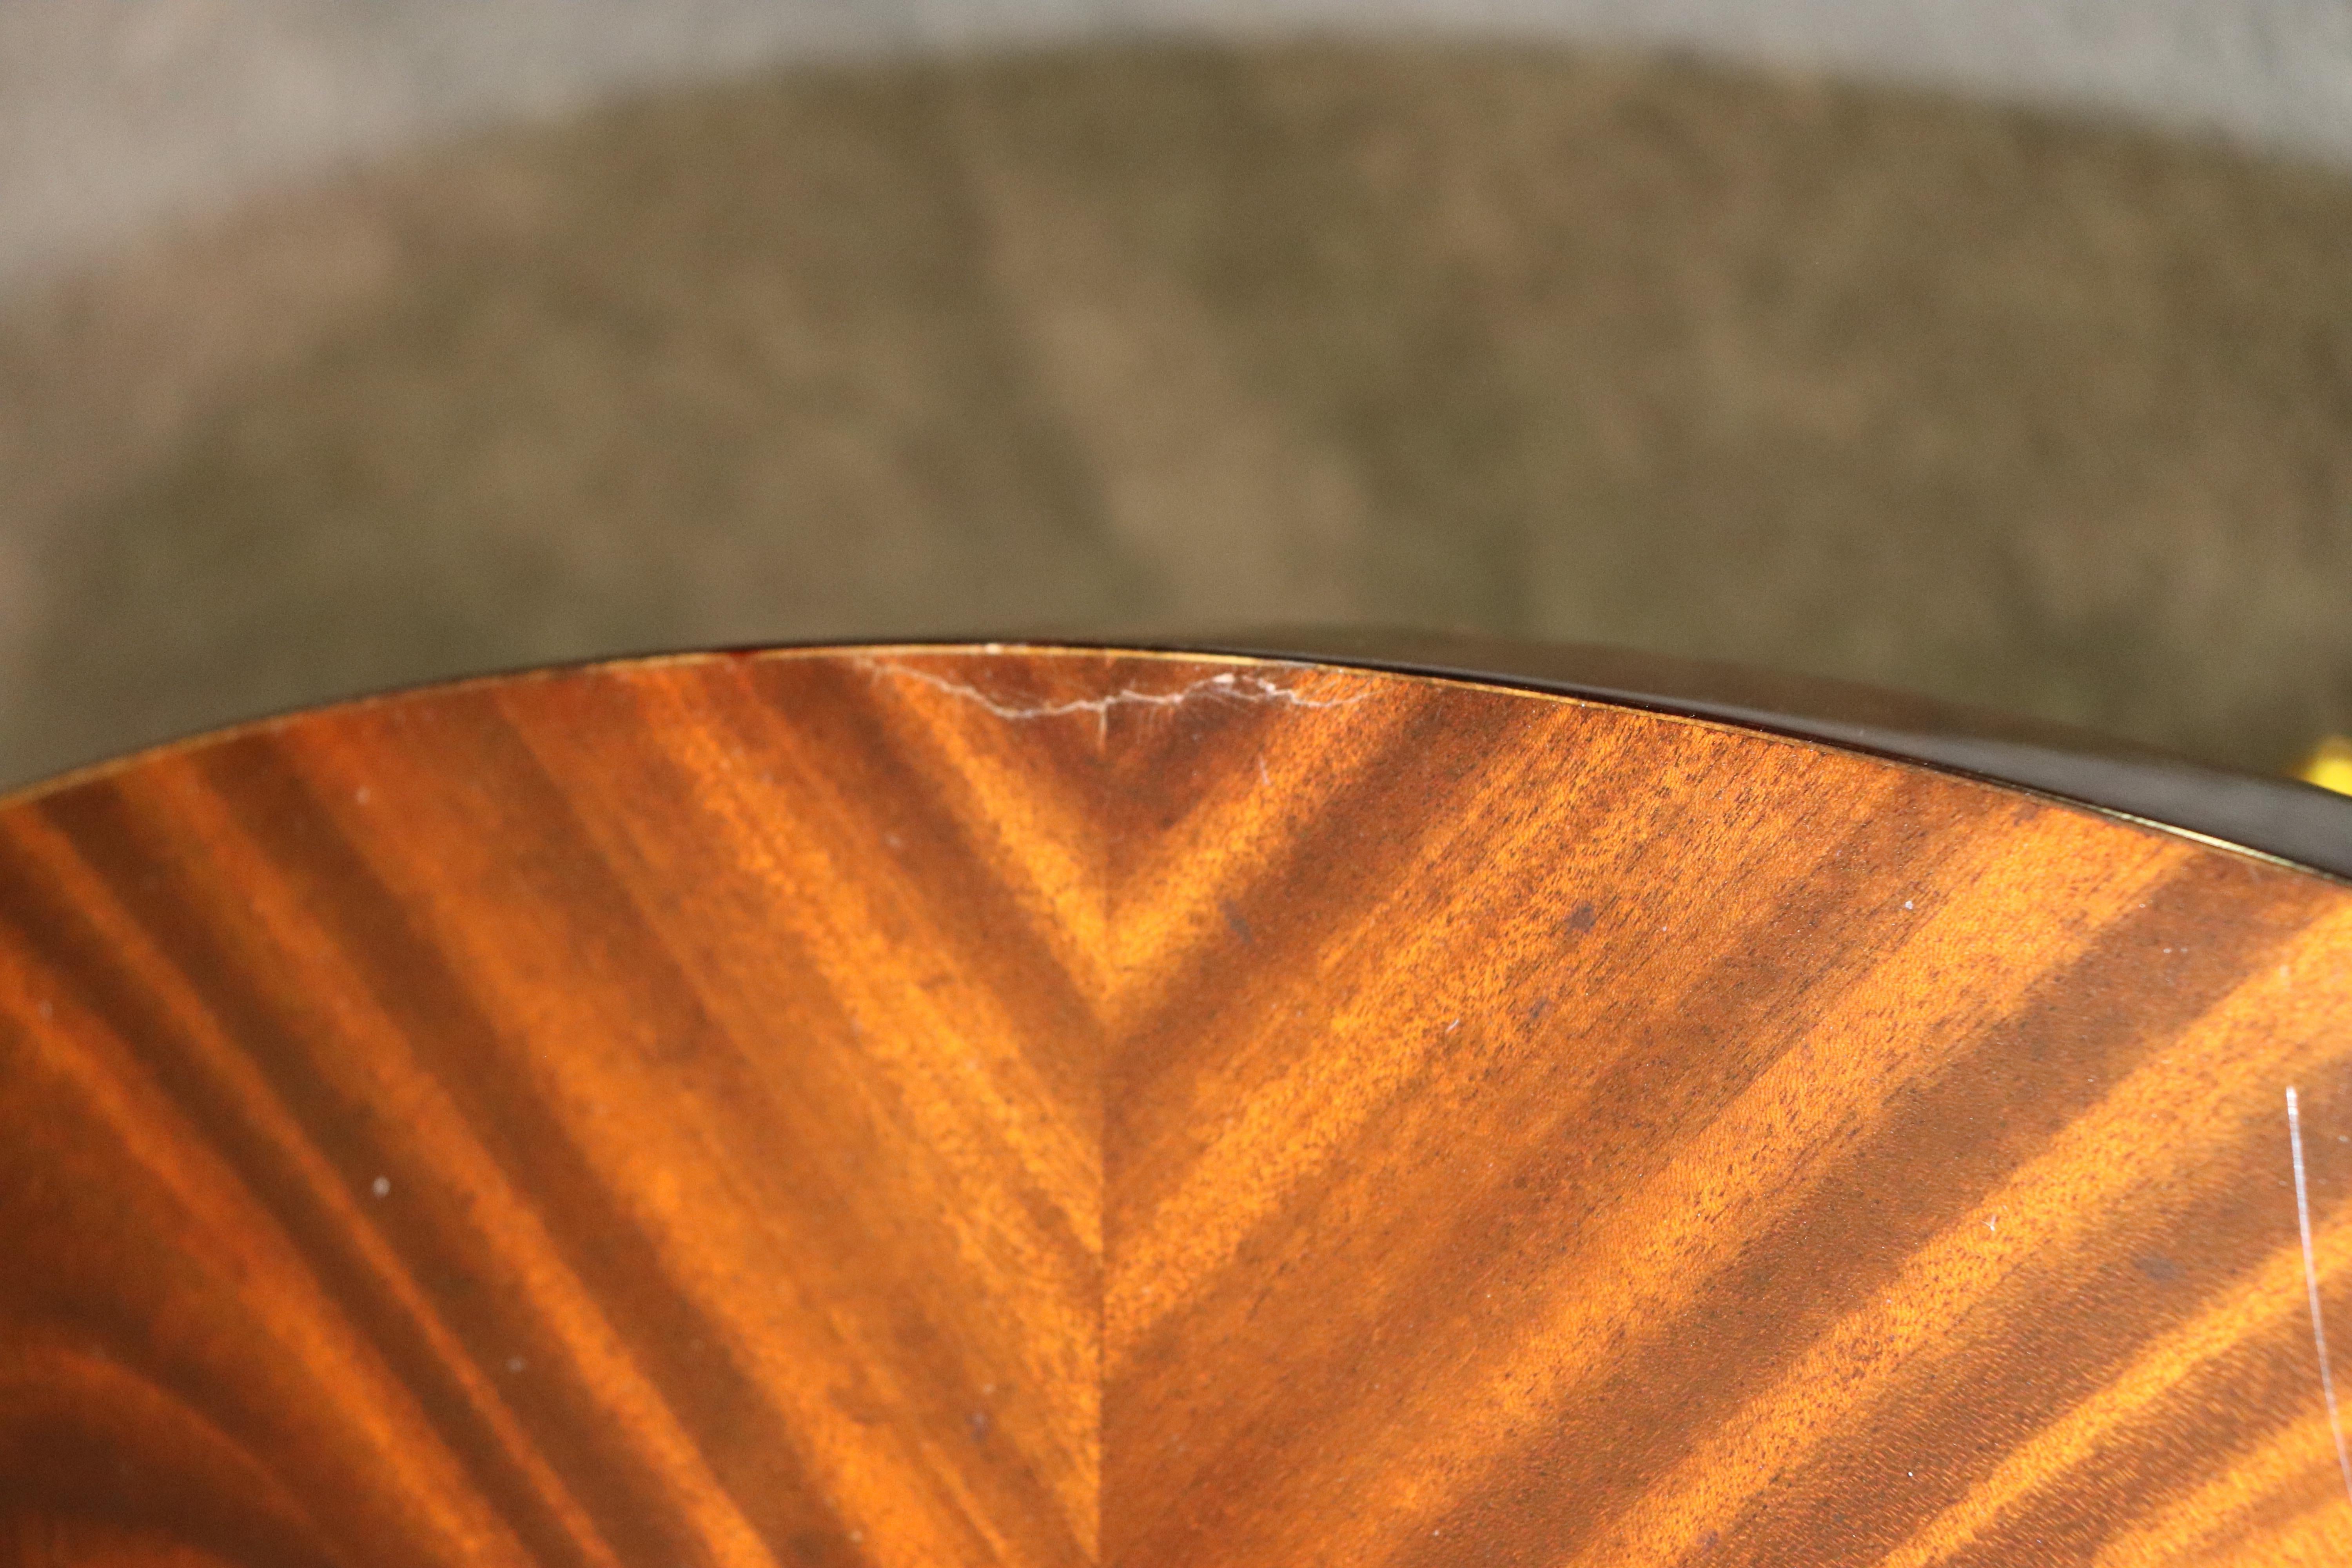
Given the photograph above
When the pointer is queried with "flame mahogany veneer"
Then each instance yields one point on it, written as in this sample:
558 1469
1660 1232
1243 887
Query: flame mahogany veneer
1049 1106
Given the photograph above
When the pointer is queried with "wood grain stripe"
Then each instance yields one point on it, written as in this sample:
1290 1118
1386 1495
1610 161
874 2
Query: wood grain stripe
906 1106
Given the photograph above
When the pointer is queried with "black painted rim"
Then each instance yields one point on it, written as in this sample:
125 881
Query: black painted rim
2282 819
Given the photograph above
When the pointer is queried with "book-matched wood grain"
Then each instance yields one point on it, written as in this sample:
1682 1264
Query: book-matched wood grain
924 1105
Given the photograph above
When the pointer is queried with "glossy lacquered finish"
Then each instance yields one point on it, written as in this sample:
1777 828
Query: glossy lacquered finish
928 1106
2297 818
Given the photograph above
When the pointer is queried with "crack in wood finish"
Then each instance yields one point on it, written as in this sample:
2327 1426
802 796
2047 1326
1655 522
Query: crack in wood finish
928 1106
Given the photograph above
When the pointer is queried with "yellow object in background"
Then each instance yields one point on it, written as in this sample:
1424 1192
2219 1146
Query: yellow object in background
2329 765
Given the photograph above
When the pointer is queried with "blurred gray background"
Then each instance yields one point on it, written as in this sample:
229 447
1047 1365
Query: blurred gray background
1999 350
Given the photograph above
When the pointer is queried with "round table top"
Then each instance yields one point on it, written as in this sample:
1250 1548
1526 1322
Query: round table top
1027 1104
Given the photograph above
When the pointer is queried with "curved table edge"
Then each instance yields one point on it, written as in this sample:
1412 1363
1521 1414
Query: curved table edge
2285 820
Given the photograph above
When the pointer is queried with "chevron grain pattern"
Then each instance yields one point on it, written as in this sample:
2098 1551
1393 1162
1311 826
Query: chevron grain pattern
928 1106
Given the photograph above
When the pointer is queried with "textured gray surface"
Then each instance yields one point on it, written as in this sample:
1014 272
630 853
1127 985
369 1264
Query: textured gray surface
313 379
117 113
2048 417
